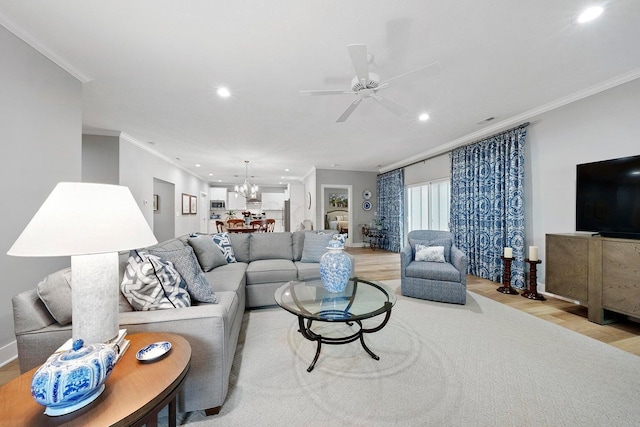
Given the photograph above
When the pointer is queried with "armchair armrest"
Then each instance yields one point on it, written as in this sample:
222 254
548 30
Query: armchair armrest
459 261
406 256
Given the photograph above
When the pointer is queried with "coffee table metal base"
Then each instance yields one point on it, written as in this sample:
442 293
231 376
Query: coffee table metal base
305 330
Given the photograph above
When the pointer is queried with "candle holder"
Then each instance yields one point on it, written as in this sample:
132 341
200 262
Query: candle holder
506 278
532 293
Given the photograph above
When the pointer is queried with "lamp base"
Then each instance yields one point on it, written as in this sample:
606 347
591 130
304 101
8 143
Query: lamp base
94 297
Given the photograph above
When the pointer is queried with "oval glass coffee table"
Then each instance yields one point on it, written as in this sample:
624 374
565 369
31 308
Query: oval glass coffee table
311 302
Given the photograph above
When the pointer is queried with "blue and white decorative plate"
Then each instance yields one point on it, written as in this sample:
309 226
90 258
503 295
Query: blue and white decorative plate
366 205
153 351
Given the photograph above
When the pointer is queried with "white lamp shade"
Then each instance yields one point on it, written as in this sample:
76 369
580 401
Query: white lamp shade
84 218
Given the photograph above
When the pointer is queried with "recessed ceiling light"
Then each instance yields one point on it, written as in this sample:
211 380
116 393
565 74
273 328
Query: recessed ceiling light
223 92
210 174
423 117
197 165
590 14
286 170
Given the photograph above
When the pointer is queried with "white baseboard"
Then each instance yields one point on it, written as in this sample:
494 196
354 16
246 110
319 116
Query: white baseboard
8 353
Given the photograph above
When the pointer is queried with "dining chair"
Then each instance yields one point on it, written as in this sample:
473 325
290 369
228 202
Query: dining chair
259 225
219 226
271 225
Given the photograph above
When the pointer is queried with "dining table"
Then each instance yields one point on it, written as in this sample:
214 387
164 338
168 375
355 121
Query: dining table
242 230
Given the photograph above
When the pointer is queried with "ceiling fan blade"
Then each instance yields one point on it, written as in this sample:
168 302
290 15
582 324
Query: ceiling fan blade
430 70
349 110
326 92
390 105
358 54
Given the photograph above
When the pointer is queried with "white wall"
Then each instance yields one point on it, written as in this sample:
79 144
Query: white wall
599 127
41 122
138 168
100 159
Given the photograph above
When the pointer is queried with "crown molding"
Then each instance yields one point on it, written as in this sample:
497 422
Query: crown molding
44 50
151 151
516 120
100 132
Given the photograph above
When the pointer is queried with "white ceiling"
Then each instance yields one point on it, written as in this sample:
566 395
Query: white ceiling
151 69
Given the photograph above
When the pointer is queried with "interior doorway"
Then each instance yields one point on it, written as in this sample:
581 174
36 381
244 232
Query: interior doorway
337 201
164 220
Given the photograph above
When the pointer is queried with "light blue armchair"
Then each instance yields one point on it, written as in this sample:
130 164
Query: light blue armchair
434 280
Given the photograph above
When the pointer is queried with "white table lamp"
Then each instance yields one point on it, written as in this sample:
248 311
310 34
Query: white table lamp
90 223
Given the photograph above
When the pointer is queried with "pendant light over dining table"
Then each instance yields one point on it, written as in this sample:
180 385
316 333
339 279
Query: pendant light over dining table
247 190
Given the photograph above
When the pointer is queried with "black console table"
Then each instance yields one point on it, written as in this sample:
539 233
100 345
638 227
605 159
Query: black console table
375 238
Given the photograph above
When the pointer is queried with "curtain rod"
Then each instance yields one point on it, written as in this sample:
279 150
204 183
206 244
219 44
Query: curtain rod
523 125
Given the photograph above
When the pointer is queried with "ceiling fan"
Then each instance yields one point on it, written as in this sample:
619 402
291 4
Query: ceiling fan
367 84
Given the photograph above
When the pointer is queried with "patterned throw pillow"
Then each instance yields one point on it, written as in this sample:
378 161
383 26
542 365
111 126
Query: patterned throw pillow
150 283
429 253
315 245
187 265
445 243
223 241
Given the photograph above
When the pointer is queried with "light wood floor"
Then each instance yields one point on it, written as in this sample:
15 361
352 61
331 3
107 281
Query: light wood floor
382 265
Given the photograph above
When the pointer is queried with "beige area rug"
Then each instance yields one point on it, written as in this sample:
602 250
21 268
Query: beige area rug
483 364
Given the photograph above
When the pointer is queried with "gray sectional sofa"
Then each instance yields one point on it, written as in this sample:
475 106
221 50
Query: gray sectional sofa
265 261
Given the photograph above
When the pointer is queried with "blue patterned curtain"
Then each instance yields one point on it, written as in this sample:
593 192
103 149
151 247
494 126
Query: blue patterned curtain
487 209
391 207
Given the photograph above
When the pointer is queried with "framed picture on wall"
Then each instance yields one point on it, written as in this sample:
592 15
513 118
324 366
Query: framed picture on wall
186 204
194 205
155 202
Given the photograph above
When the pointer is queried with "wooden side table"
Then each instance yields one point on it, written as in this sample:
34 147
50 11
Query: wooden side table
134 394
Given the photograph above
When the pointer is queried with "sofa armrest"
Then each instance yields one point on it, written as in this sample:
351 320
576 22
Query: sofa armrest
459 261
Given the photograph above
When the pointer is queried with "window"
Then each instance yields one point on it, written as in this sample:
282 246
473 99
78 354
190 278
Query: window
428 206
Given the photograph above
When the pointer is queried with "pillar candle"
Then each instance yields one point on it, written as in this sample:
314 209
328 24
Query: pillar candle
508 252
533 253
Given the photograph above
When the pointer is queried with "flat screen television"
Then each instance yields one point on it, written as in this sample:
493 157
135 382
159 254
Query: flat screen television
608 197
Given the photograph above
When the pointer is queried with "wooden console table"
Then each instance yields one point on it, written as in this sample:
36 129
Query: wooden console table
134 394
598 272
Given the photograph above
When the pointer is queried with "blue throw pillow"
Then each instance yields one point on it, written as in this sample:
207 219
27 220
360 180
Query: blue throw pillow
223 241
315 245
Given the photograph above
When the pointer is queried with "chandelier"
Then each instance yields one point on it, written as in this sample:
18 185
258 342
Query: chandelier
247 189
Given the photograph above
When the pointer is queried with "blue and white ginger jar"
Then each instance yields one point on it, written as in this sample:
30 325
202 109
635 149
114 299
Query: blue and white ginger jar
70 380
335 265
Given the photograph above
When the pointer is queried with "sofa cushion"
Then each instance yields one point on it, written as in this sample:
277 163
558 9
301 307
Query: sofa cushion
208 253
271 270
55 292
429 253
240 243
315 245
187 265
446 243
223 241
229 277
270 246
308 270
433 271
151 283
